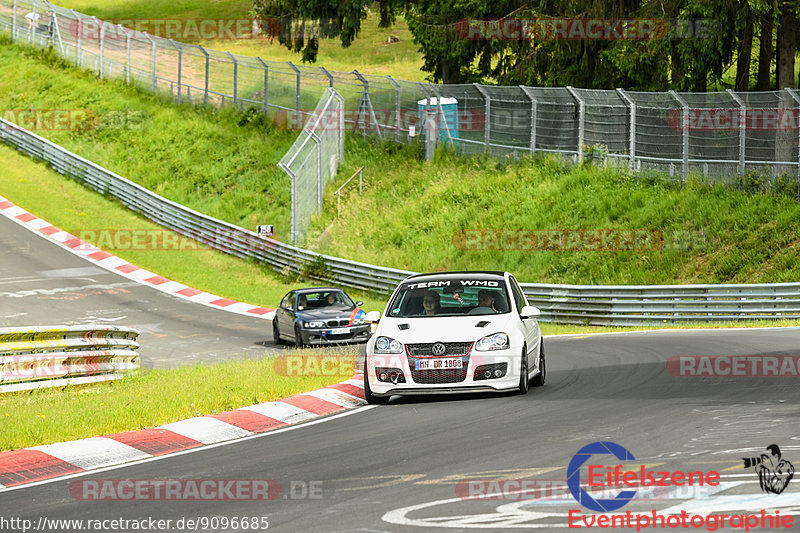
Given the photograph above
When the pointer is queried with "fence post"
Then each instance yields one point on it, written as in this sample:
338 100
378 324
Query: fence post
296 95
180 66
327 75
79 40
14 21
320 181
488 112
208 65
340 99
685 128
534 110
102 44
235 78
397 112
32 34
581 120
632 106
442 119
127 53
266 83
154 83
796 97
366 102
742 129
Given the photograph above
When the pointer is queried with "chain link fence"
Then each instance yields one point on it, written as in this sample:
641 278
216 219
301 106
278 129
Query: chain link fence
721 135
313 160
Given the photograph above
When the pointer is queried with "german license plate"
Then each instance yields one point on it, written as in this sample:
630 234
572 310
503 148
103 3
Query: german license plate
340 331
440 364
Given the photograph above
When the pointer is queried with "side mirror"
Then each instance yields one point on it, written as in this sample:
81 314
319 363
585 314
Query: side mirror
372 316
530 311
359 303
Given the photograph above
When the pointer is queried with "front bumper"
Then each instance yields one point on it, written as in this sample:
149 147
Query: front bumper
360 333
444 382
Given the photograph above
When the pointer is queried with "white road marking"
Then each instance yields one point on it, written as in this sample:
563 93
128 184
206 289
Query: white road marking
94 452
206 430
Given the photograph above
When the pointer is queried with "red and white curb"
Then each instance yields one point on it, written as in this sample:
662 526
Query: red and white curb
124 268
39 463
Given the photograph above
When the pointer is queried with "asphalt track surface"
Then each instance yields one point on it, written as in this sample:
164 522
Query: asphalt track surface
397 467
44 284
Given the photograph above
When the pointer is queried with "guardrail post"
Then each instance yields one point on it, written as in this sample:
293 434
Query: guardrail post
266 83
796 97
154 82
534 110
581 120
488 112
235 78
296 94
685 128
397 112
180 67
208 65
632 107
742 129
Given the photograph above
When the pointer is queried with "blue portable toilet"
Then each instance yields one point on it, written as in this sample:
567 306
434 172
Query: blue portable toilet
449 111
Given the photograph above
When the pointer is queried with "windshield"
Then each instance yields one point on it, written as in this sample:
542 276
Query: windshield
322 299
451 297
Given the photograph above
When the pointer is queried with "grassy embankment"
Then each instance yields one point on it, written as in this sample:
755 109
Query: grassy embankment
210 162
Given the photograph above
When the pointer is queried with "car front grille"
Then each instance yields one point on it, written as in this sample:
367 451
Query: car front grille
425 351
337 323
452 349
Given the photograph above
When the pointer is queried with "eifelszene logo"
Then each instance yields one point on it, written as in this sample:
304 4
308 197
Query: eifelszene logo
774 473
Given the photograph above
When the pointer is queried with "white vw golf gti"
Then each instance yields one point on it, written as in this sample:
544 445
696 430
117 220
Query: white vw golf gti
454 332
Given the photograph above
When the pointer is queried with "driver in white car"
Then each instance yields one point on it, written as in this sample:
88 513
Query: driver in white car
485 303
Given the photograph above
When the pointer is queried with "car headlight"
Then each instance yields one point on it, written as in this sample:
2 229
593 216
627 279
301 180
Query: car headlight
387 345
314 324
358 321
495 341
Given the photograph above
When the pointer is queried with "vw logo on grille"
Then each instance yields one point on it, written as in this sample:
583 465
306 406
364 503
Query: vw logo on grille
438 348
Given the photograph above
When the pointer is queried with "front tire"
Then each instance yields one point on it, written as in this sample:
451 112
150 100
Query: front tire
371 398
298 338
540 378
523 372
276 334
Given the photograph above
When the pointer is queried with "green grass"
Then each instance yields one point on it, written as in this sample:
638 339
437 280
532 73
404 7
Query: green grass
209 162
150 398
73 207
369 53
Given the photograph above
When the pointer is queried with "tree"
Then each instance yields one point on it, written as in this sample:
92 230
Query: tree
787 43
765 36
744 47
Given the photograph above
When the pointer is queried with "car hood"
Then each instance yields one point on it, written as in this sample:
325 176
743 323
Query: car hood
343 313
465 328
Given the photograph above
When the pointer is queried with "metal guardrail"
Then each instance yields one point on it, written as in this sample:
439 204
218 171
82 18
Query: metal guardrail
55 356
571 304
